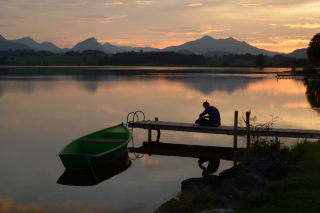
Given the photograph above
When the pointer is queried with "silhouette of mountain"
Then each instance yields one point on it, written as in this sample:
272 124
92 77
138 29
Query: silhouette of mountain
8 45
27 41
112 48
217 53
299 53
89 44
207 43
2 38
50 47
35 45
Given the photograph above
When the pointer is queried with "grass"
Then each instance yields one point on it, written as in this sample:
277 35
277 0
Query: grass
297 193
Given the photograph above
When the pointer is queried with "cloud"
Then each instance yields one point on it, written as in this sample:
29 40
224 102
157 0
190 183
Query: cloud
305 25
143 2
11 17
114 3
75 4
190 31
100 19
195 5
250 5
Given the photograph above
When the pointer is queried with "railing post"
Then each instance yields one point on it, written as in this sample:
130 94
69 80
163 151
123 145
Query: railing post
248 129
158 131
149 138
235 137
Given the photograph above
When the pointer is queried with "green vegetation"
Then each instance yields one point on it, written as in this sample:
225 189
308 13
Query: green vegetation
249 60
313 50
305 70
57 60
99 58
297 193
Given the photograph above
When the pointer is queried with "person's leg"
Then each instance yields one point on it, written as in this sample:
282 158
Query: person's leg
204 122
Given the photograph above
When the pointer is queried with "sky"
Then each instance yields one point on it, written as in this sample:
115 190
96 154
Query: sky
274 25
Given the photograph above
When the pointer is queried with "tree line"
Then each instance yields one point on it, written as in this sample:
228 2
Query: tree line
155 58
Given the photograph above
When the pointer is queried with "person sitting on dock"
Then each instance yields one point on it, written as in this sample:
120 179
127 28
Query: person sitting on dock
214 116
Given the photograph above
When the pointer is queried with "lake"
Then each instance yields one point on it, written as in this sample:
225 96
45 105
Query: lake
43 109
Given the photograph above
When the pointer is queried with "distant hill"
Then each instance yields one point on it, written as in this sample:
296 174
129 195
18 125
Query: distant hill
207 43
89 44
8 45
50 47
37 46
2 38
112 48
299 53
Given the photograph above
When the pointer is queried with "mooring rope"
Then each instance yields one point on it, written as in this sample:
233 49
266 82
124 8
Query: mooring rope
135 114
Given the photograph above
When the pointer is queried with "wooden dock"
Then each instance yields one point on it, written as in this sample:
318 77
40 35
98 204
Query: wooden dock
248 131
184 150
223 130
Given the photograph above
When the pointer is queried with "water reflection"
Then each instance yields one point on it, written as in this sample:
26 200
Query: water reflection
313 93
203 80
97 175
212 166
47 107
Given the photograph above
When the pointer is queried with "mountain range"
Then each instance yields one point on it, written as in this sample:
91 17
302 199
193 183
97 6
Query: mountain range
204 45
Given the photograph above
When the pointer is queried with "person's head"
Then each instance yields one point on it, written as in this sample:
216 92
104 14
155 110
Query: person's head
206 104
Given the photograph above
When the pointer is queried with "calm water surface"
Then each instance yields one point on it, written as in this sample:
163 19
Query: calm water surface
44 109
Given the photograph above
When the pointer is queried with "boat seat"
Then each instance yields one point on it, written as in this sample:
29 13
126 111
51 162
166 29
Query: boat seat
103 140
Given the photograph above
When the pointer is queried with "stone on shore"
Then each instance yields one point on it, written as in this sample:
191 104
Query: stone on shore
248 187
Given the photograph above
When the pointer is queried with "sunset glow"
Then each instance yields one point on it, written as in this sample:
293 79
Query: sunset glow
281 26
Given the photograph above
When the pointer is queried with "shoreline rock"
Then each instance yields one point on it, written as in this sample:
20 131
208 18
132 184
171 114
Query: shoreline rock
239 185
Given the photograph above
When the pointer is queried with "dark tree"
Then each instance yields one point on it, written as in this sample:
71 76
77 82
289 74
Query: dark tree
259 60
313 50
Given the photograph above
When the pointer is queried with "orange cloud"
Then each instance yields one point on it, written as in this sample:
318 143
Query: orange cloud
250 5
114 3
194 5
305 25
143 2
198 31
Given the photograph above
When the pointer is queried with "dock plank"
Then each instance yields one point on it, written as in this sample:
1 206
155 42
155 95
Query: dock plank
226 130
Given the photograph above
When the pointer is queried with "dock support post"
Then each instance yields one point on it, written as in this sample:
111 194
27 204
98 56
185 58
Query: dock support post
149 137
248 129
235 137
158 131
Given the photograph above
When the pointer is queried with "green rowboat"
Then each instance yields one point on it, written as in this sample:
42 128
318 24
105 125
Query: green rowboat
97 148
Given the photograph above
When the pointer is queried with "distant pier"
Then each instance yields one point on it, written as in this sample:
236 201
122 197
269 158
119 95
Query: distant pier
297 76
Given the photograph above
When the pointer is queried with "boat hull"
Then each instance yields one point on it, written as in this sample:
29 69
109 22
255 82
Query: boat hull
96 149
